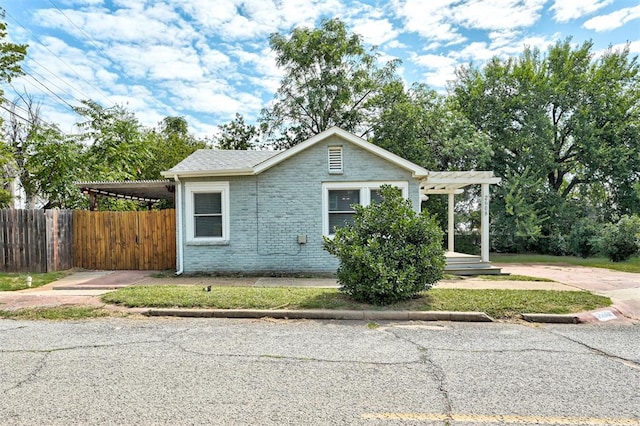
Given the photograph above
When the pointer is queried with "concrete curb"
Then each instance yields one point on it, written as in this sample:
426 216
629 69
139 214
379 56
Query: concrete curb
325 314
552 318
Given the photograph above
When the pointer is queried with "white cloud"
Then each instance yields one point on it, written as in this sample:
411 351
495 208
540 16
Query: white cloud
374 31
428 19
567 10
441 68
497 14
158 62
154 24
613 20
246 19
396 44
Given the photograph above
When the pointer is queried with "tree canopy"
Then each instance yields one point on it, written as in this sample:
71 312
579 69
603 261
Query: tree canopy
330 79
563 129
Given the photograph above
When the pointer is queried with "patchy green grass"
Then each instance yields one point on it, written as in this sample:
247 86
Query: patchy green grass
514 277
56 313
496 303
13 282
631 265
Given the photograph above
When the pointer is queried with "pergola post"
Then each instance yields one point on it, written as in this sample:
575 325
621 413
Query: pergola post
451 183
451 225
484 223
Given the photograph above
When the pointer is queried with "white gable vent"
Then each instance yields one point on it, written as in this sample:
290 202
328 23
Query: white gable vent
335 159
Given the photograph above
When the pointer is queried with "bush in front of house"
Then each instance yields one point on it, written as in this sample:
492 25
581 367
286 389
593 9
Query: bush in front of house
621 240
390 253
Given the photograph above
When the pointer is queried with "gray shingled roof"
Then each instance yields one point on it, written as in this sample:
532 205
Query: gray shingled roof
216 159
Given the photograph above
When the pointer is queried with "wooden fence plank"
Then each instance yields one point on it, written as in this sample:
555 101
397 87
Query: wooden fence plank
143 240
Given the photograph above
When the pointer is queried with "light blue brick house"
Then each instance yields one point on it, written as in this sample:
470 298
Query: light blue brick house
265 212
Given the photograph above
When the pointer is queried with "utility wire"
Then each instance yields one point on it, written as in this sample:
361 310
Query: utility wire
82 95
16 114
67 104
58 58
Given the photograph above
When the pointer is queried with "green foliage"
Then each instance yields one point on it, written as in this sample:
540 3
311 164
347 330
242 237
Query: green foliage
330 79
583 238
428 129
117 149
11 54
169 144
390 253
563 130
238 135
621 240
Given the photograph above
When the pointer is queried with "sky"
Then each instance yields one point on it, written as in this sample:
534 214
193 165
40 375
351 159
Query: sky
207 60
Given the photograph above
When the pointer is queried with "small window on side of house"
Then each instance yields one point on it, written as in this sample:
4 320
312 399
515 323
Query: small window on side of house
207 212
335 159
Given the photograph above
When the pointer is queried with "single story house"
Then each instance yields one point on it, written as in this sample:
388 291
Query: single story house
266 212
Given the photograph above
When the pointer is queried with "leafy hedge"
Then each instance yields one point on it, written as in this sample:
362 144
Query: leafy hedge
390 253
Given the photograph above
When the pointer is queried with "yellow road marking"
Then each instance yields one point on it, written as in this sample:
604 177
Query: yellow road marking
479 418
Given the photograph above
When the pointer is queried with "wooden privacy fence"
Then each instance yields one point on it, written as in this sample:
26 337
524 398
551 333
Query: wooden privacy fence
141 240
35 240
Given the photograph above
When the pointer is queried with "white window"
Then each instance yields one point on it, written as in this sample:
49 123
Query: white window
335 159
338 198
207 212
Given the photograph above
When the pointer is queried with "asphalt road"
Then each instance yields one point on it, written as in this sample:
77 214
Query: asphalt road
271 372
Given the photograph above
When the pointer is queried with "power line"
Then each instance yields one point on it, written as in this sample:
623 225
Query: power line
83 95
58 58
16 114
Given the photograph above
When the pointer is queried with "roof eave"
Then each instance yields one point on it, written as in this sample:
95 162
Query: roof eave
208 173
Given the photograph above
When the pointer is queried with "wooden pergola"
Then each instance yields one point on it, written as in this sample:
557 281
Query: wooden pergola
451 183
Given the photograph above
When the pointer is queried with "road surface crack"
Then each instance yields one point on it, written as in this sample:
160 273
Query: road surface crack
624 361
32 375
437 373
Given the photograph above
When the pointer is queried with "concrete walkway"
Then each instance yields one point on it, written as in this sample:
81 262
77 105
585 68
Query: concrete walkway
84 287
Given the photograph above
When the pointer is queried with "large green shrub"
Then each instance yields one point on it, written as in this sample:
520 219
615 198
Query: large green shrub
390 253
620 241
583 238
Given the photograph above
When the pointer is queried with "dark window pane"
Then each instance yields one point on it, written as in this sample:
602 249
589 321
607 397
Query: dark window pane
376 197
208 226
207 203
341 200
338 220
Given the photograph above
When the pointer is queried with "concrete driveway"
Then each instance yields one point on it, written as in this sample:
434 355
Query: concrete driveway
622 287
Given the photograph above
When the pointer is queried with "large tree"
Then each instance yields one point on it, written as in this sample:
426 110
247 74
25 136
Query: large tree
168 144
11 56
330 79
564 131
427 128
238 135
117 149
45 161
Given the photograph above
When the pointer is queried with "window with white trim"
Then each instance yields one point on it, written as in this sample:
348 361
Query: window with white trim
335 159
207 212
338 199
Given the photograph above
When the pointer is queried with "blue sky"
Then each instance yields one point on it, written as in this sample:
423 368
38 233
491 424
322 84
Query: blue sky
208 59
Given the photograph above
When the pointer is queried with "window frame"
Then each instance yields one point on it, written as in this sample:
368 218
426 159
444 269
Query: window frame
365 189
192 188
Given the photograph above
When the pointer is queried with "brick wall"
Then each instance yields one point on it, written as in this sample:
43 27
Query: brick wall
270 210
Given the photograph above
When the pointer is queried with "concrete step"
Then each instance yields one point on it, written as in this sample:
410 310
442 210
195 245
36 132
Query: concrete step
490 270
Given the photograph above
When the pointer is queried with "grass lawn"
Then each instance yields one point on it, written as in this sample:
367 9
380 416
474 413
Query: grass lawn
631 265
514 277
56 313
14 281
499 304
